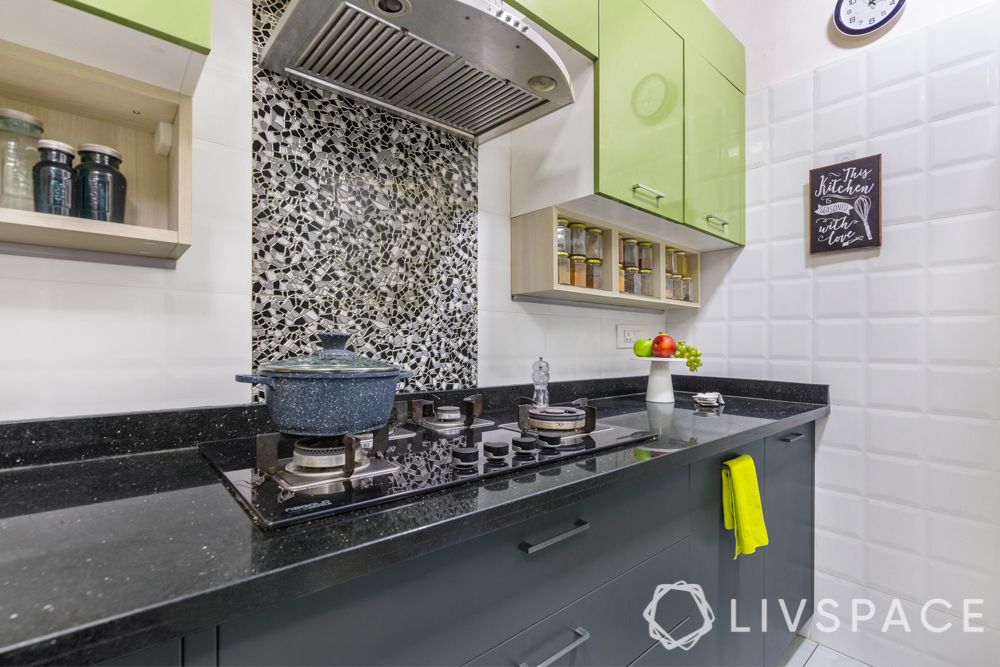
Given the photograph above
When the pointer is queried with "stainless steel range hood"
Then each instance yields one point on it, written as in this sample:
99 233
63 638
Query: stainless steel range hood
473 67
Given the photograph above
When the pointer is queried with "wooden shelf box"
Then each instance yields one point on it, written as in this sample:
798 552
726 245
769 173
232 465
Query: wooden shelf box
81 104
535 269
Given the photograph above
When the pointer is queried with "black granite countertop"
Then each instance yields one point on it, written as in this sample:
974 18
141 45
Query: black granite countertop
102 556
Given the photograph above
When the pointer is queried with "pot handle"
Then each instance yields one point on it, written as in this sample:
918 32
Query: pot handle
254 379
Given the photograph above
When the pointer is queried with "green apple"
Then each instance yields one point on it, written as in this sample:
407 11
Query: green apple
643 347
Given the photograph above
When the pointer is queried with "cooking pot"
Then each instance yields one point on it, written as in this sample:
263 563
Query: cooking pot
330 392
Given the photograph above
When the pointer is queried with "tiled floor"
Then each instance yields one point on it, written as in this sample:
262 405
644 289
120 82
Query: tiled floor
807 653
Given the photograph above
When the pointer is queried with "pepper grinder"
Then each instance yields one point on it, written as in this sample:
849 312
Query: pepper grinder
540 376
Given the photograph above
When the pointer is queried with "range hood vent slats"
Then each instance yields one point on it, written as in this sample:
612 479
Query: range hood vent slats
352 51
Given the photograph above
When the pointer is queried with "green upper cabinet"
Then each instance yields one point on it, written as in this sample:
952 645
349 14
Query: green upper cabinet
714 162
640 110
187 23
699 26
573 21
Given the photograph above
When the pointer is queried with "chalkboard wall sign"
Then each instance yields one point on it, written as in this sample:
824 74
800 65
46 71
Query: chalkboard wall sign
845 205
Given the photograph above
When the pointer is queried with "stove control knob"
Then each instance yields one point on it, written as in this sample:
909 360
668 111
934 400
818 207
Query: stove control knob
496 450
465 455
525 444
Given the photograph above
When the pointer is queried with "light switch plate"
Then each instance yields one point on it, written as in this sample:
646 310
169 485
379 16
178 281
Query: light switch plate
627 334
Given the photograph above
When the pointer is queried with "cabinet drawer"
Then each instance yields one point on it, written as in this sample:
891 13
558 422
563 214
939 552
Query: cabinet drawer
451 605
606 627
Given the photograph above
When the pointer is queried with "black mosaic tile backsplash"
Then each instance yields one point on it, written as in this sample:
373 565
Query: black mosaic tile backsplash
362 221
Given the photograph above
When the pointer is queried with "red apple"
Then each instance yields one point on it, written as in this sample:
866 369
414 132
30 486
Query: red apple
664 346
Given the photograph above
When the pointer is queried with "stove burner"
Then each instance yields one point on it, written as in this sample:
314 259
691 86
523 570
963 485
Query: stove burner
552 418
447 413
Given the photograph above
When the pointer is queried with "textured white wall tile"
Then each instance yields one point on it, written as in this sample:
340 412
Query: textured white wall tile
965 138
895 571
965 87
748 339
897 108
967 188
962 541
964 290
966 239
839 340
893 524
972 493
896 340
904 199
903 247
789 179
897 60
842 123
788 259
758 147
895 479
840 296
897 433
963 441
757 110
494 176
897 294
845 428
786 220
842 513
972 341
791 98
839 555
896 386
789 371
964 37
757 221
748 301
750 265
839 81
791 138
972 392
791 299
790 340
846 380
840 469
758 186
903 153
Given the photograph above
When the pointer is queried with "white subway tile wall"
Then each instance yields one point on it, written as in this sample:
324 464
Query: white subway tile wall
908 336
84 338
578 342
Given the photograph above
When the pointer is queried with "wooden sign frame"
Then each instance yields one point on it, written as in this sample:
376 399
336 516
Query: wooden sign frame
845 205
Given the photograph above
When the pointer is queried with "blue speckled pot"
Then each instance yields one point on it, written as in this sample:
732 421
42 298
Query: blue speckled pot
333 392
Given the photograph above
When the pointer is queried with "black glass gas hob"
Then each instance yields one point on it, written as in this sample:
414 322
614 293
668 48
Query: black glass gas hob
282 480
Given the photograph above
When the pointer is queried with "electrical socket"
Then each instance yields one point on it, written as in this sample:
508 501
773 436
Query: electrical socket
627 334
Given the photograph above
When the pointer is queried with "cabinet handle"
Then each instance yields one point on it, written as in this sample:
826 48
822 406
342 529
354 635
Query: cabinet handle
581 636
656 193
579 526
793 437
717 220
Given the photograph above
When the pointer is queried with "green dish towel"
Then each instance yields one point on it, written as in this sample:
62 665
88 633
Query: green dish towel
741 509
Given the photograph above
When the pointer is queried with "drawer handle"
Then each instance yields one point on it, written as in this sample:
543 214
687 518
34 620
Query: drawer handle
579 526
793 437
581 636
656 193
716 219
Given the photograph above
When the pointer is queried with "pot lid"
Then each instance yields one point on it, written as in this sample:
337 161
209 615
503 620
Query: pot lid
332 357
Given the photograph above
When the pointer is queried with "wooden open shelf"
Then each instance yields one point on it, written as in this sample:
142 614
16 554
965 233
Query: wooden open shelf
535 271
81 104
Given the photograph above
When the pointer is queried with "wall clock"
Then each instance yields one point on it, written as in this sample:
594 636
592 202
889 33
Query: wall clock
861 17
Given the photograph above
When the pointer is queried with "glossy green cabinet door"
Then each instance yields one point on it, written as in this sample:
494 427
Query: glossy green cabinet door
715 179
640 110
187 23
573 21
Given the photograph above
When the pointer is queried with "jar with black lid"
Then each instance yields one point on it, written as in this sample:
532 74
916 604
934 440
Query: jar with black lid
53 176
98 185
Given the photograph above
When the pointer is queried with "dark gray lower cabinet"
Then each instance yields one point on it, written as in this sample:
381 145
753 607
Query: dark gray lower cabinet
788 559
451 606
565 588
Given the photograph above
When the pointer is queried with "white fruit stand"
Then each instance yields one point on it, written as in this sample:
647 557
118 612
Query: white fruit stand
660 388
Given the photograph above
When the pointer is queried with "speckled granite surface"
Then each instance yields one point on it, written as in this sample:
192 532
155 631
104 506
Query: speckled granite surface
104 556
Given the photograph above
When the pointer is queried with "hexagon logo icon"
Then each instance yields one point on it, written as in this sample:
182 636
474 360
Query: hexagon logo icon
686 642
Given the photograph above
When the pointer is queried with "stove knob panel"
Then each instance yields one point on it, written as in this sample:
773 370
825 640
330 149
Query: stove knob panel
465 455
496 450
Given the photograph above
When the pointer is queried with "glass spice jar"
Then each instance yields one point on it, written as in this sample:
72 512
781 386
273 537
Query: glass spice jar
578 270
98 185
595 273
646 276
687 291
678 282
670 260
53 176
632 284
668 286
578 239
595 243
645 255
562 236
621 278
563 263
681 260
630 255
19 133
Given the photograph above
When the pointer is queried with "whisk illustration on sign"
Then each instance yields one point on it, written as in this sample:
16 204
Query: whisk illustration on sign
863 206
